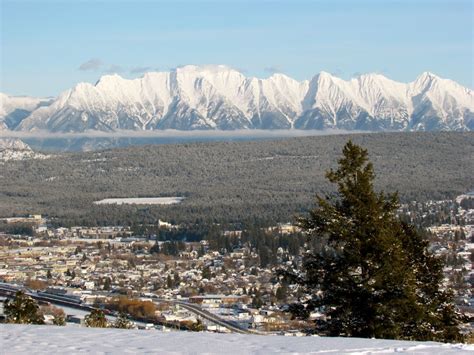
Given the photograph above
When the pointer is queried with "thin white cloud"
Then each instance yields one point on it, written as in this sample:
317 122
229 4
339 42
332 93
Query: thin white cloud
96 64
140 70
272 70
114 68
170 133
91 64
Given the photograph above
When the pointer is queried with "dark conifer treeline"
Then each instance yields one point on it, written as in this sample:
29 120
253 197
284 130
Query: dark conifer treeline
228 182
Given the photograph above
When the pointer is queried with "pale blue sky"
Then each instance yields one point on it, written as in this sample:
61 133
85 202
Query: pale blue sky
48 46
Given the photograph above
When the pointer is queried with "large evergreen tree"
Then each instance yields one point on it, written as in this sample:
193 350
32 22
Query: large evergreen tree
122 322
96 319
23 310
371 274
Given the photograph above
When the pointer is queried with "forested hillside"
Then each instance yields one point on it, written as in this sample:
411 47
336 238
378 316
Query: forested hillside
229 182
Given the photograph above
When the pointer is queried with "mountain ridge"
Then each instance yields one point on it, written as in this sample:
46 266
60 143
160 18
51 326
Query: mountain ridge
219 97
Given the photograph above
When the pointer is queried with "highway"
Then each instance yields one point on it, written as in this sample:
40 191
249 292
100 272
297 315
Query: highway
10 290
235 328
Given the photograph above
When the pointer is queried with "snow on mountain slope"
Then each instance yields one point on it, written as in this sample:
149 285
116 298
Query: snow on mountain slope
112 103
219 97
206 97
440 104
13 109
374 102
13 144
330 102
28 339
15 149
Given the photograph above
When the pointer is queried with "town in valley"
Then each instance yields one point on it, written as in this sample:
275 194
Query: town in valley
169 277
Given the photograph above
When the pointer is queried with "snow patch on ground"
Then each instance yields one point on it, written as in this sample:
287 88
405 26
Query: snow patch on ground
27 339
140 201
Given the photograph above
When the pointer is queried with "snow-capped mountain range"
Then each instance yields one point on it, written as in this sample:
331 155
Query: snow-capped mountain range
13 109
218 97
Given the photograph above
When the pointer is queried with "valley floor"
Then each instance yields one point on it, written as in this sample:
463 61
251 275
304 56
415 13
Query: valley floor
26 339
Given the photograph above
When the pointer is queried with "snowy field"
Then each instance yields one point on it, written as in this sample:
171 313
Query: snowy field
27 339
140 201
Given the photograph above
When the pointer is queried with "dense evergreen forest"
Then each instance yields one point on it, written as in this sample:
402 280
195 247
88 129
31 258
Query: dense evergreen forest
228 182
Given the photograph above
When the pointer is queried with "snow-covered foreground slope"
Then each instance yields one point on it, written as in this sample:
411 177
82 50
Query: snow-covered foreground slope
23 339
219 97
